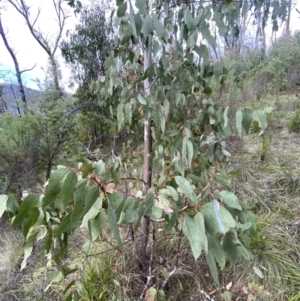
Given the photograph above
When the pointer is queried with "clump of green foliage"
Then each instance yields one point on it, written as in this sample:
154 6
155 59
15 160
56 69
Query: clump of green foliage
294 124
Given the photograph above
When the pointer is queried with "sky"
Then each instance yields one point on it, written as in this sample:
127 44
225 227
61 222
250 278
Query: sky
29 53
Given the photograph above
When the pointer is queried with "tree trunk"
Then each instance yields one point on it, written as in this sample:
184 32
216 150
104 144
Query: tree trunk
288 20
17 68
147 173
55 73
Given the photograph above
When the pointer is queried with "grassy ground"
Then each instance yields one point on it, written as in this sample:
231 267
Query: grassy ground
267 177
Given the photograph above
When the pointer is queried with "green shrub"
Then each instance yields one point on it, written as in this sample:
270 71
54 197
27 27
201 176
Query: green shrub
294 124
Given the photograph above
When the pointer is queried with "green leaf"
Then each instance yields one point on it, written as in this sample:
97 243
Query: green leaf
92 213
239 118
194 231
188 18
160 31
128 111
187 189
224 180
172 191
129 213
258 272
207 90
30 220
25 208
247 119
261 117
121 10
170 222
27 252
215 248
91 197
230 199
114 226
213 268
12 204
148 26
138 23
211 220
66 193
54 277
55 183
230 247
151 294
3 202
97 225
142 6
65 226
142 100
218 70
99 167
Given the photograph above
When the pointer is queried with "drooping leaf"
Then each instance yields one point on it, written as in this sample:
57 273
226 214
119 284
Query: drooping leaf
158 26
55 183
230 247
12 204
213 268
148 26
261 117
113 224
142 6
122 9
30 202
54 277
194 231
216 250
92 212
223 179
247 119
91 197
97 224
99 167
186 188
66 193
230 199
210 218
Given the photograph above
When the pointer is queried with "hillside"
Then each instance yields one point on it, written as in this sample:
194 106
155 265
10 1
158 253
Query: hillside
10 97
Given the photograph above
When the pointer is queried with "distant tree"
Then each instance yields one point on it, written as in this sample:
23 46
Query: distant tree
85 51
48 44
88 46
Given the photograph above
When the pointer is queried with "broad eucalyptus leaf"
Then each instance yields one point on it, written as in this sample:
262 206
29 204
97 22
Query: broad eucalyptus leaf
194 230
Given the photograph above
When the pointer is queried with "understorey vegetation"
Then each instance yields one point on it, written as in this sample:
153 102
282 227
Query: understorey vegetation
172 173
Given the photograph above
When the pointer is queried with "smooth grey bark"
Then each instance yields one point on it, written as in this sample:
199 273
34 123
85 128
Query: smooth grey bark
147 172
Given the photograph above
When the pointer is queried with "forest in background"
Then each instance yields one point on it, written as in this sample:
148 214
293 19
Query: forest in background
220 100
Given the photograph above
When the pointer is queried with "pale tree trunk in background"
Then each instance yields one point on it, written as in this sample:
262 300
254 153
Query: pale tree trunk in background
258 29
16 63
49 46
288 20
